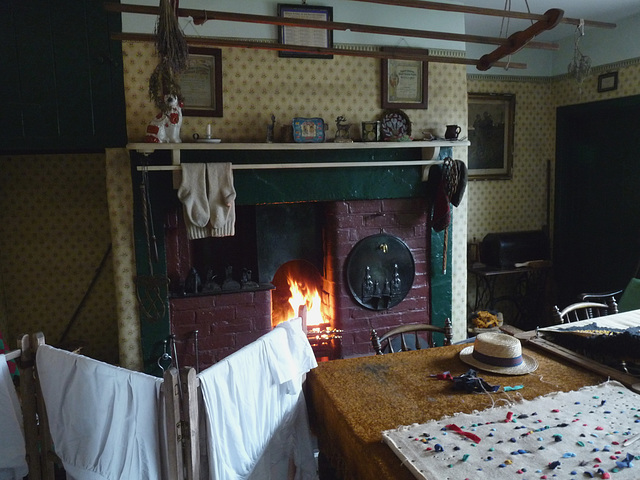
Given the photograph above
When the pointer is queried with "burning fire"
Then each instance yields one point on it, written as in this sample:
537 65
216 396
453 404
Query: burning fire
302 294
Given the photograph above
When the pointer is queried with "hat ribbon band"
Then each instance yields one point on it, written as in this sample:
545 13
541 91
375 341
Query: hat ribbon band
497 361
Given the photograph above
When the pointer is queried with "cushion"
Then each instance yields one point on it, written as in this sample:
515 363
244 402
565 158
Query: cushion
630 299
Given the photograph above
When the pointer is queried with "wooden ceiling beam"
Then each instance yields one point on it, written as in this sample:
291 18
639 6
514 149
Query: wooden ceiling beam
414 54
201 16
519 39
447 7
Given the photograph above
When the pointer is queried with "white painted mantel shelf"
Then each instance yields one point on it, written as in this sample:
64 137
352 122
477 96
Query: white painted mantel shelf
430 152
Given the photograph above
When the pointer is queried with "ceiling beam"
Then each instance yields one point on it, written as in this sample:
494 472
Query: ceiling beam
202 16
519 39
414 54
447 7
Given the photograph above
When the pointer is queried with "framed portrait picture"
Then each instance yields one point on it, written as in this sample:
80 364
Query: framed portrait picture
405 83
305 36
201 83
607 82
491 121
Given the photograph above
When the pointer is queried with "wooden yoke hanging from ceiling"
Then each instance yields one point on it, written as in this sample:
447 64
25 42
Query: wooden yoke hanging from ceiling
518 40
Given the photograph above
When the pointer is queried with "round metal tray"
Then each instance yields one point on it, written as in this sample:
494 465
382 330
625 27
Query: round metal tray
380 271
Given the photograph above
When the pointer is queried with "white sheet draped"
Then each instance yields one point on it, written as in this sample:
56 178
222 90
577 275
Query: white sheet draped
13 464
104 420
619 321
255 409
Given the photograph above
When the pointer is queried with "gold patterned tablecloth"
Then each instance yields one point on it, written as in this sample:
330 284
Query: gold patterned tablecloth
351 401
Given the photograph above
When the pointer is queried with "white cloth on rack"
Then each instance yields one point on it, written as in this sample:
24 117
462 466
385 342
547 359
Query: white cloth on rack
105 421
13 464
193 195
208 198
255 411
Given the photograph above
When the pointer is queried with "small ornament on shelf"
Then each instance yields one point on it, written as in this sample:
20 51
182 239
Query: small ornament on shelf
343 133
165 126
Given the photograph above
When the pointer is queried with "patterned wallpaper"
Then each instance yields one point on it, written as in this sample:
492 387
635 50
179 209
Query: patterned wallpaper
53 211
257 83
520 203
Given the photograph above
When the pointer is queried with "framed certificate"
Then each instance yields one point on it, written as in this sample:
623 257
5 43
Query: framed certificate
201 83
405 83
305 36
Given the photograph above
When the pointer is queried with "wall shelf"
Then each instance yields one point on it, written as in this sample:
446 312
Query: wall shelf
430 152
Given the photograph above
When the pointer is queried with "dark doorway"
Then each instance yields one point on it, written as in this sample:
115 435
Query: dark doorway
597 197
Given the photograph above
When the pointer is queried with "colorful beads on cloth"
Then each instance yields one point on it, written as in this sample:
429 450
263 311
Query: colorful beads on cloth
528 440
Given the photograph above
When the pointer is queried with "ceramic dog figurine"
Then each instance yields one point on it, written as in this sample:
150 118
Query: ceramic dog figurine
165 127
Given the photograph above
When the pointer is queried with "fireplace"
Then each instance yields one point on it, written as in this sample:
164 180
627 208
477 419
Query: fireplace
295 248
315 215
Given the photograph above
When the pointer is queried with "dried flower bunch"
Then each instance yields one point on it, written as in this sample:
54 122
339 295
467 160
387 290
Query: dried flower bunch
173 55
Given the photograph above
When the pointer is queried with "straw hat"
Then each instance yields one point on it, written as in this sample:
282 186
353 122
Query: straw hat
498 353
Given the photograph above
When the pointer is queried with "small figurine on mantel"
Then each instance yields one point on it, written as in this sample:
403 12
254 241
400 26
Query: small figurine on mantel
343 130
165 126
245 280
271 128
229 283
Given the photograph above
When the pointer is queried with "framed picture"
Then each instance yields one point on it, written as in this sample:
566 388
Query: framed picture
201 83
607 82
307 37
405 83
491 121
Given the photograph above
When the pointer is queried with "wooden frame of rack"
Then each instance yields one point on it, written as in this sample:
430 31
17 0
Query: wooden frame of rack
506 46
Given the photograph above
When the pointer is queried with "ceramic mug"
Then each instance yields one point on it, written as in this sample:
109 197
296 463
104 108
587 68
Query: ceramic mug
452 132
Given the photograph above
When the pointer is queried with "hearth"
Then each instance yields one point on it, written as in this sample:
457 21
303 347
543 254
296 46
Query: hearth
301 250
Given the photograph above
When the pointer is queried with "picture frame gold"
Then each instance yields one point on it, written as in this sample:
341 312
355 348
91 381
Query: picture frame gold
405 83
490 124
305 36
201 83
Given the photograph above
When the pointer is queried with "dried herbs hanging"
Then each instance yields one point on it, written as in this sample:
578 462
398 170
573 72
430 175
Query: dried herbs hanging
173 55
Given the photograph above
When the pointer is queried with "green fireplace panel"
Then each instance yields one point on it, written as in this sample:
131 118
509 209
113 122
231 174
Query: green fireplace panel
284 185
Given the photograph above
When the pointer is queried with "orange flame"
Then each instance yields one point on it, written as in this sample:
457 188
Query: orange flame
301 294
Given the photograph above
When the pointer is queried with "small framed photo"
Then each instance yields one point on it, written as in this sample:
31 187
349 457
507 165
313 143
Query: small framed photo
201 83
607 82
305 36
405 83
491 121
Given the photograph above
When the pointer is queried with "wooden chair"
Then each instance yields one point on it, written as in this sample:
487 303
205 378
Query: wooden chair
610 298
388 343
581 311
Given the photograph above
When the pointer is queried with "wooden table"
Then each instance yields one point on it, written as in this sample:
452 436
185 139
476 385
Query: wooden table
351 401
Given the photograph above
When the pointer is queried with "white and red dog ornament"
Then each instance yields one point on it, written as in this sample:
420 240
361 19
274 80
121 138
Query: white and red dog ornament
165 127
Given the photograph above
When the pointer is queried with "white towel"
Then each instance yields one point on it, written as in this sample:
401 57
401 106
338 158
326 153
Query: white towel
13 464
255 410
208 197
104 420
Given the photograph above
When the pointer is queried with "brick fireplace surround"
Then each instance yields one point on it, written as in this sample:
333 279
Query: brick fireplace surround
227 321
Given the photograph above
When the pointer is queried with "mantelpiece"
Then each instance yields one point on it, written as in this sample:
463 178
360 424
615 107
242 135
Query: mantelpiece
430 151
